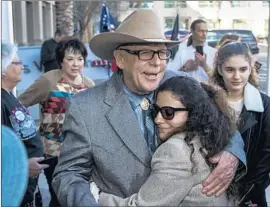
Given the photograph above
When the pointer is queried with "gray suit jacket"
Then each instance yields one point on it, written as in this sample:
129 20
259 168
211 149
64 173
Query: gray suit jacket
103 142
171 182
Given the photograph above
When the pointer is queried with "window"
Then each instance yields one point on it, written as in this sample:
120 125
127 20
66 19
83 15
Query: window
265 3
169 4
182 4
148 4
140 4
133 5
212 24
175 4
266 23
239 24
236 4
169 22
183 24
207 4
203 4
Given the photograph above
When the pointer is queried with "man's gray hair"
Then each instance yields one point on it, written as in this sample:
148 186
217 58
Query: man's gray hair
8 53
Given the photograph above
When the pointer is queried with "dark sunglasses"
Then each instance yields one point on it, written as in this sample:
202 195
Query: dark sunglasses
167 112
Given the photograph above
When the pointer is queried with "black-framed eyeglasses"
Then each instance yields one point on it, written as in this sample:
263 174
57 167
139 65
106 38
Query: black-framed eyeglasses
164 54
167 112
17 62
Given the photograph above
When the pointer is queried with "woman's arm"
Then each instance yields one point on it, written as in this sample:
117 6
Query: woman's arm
36 93
168 184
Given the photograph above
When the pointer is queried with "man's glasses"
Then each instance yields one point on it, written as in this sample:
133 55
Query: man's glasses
167 112
17 63
164 54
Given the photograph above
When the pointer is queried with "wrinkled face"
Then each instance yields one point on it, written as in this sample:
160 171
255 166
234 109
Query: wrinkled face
13 72
235 72
167 128
141 76
73 64
200 33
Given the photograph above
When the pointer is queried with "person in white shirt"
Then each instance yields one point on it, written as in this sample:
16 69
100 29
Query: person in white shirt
191 62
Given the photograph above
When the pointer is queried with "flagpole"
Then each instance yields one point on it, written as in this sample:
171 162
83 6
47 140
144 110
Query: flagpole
177 12
268 53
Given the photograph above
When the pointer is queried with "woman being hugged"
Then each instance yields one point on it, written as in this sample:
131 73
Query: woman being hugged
51 91
194 123
235 73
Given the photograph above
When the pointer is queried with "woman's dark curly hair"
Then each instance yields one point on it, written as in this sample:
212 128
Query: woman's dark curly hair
72 45
229 49
209 116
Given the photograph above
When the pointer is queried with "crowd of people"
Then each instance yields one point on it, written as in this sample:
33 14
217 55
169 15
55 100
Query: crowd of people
193 132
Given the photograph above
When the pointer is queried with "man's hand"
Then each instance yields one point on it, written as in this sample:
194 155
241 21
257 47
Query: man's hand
35 167
221 177
191 65
201 60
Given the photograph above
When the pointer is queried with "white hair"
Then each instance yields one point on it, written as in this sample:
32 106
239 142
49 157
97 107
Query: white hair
8 53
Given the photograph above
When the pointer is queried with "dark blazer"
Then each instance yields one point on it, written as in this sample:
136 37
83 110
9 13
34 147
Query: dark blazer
254 127
102 141
48 57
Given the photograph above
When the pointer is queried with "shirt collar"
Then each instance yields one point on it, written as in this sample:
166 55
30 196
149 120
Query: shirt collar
136 99
252 99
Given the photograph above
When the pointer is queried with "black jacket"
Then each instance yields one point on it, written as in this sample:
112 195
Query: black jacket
48 58
17 117
254 127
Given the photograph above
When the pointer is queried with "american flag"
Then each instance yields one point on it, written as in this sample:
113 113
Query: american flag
174 35
96 63
107 22
104 63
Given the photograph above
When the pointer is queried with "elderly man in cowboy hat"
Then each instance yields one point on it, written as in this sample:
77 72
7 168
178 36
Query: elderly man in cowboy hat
109 133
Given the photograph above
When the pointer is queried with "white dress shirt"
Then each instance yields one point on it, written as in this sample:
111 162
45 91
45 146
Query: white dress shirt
188 53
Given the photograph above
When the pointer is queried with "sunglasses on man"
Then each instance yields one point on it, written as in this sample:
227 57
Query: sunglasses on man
167 112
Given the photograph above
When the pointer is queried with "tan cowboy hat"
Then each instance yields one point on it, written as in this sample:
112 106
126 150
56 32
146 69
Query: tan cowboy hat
142 26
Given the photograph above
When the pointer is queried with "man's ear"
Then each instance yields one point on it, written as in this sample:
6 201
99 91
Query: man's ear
119 59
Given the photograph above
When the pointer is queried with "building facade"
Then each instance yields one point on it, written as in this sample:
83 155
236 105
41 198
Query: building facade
34 21
252 15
